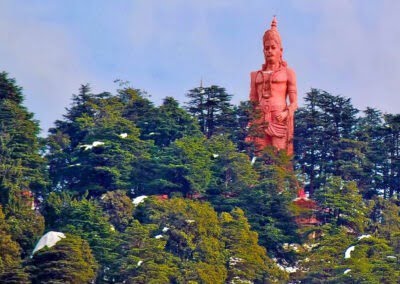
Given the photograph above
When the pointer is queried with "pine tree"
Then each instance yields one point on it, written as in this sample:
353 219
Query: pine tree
338 257
231 171
371 131
247 261
371 262
95 149
143 257
69 261
240 130
342 205
385 218
193 235
138 109
326 144
168 123
10 258
323 261
182 167
267 203
26 223
308 135
118 208
391 140
20 162
84 218
212 108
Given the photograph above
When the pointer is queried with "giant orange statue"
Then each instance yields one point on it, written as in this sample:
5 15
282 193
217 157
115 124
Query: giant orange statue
273 92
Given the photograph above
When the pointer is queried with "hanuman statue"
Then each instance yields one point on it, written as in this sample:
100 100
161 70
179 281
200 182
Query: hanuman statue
273 92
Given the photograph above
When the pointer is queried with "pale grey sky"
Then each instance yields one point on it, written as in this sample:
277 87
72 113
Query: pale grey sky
346 47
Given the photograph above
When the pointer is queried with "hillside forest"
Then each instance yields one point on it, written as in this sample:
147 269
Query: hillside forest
125 191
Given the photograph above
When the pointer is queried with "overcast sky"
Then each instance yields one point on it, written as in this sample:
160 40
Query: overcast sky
346 47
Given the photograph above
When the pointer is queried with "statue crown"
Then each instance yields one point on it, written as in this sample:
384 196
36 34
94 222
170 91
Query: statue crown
273 34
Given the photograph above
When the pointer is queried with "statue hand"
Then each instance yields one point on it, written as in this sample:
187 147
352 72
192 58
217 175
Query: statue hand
282 116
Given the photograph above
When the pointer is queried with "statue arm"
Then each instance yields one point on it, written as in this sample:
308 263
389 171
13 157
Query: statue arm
253 91
292 90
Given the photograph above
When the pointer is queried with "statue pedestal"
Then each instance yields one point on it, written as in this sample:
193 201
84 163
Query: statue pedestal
305 209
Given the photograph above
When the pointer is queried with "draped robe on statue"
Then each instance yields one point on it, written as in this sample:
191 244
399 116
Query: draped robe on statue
269 92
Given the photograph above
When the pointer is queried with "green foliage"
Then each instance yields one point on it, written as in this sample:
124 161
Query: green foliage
96 149
118 208
371 261
330 140
206 248
326 255
232 171
240 127
385 222
325 140
26 224
84 218
269 215
20 163
371 131
137 108
54 206
212 108
247 260
143 258
168 123
342 204
16 275
184 166
69 261
196 158
108 147
10 260
267 203
390 165
193 236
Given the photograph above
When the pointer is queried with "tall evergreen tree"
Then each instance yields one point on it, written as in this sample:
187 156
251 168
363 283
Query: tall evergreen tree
369 260
325 139
95 149
84 218
267 203
231 171
391 172
247 261
342 205
138 109
193 235
184 166
10 257
118 207
69 261
167 123
240 129
26 223
143 257
212 108
371 131
385 222
20 162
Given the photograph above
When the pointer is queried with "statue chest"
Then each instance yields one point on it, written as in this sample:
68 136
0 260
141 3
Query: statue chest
270 84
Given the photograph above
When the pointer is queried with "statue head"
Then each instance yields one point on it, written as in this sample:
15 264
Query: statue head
272 44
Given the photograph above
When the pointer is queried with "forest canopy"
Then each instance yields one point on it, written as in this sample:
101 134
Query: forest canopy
174 194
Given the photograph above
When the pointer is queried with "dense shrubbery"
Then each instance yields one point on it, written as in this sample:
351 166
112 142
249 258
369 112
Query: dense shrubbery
212 215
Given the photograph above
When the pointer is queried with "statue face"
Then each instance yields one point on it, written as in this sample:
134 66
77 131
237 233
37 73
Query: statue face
272 52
